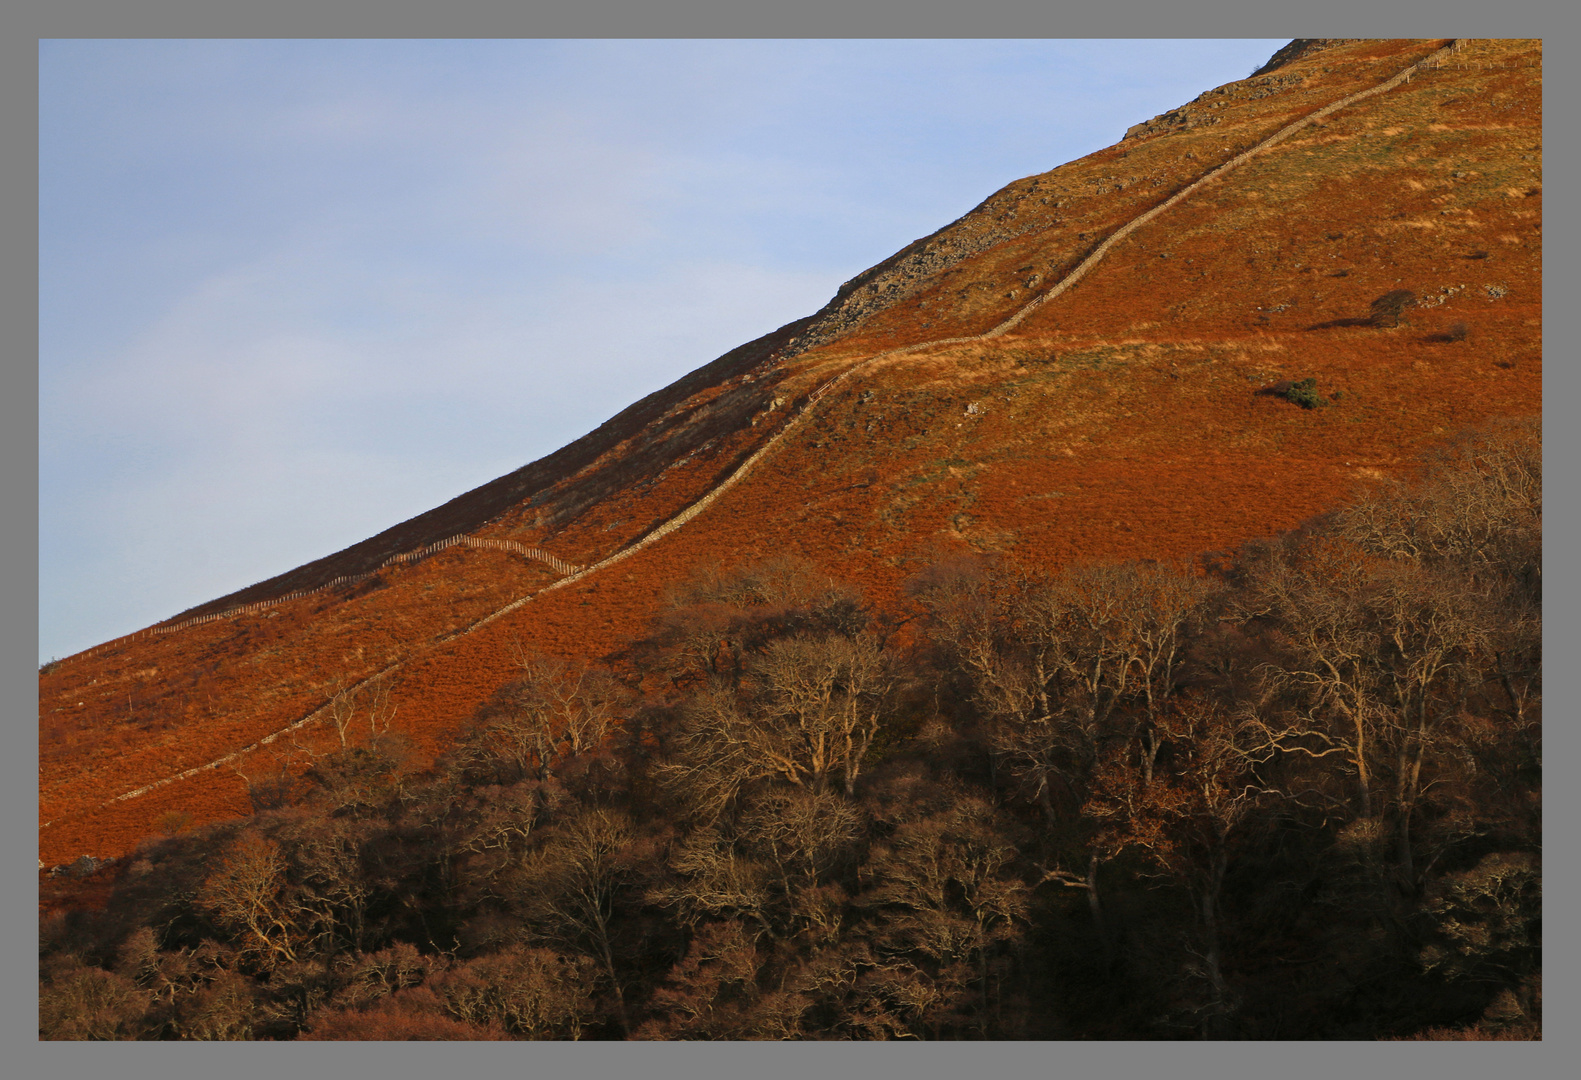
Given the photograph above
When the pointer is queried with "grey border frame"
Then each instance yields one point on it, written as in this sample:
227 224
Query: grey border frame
39 19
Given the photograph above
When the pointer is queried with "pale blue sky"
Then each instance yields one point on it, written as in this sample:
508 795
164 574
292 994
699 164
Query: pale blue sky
293 292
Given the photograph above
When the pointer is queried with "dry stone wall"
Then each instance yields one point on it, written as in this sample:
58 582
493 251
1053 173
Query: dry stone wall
792 422
481 542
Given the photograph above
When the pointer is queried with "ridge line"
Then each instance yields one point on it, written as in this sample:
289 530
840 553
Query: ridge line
1432 60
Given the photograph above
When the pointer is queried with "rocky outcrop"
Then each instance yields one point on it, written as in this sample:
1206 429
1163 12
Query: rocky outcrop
1201 110
996 220
1297 49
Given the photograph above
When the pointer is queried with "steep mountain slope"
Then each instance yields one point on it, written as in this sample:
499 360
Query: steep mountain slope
999 389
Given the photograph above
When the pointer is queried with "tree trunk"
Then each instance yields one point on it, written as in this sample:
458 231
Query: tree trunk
1046 800
614 980
1410 787
1149 754
982 976
1216 1025
1093 905
1517 701
1361 767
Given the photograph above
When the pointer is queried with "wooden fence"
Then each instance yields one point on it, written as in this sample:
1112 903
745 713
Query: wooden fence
797 417
570 573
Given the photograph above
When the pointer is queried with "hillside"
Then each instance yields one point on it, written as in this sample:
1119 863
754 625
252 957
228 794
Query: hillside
991 388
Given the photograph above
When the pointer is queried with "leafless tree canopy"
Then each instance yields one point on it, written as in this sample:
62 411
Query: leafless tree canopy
1293 795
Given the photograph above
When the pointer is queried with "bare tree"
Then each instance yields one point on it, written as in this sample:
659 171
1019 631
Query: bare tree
275 778
553 712
571 887
719 621
370 702
1059 664
248 891
1479 505
1314 601
709 994
1476 515
770 867
1194 821
1430 630
1384 645
948 888
826 699
802 834
332 888
712 880
808 716
531 993
80 1002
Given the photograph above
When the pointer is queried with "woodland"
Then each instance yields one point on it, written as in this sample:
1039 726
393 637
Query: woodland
1290 791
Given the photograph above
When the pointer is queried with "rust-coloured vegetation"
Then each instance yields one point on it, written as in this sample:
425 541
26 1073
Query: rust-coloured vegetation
1385 261
1110 801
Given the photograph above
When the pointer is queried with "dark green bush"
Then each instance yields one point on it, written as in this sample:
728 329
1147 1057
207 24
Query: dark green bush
1304 394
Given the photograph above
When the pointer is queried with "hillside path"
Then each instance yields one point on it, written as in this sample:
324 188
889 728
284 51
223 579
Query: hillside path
793 422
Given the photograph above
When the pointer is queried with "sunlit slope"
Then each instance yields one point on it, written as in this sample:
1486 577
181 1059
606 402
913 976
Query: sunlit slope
1132 416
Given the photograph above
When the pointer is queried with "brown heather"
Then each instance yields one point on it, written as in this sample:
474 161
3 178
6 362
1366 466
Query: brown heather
967 439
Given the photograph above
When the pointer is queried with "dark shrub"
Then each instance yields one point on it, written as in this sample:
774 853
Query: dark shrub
1455 333
1386 310
82 1002
408 1016
1304 393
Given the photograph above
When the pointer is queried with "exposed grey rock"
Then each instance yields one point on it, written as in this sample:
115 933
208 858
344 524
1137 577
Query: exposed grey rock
1297 49
994 221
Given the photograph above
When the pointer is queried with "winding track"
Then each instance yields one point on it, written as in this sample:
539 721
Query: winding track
794 421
